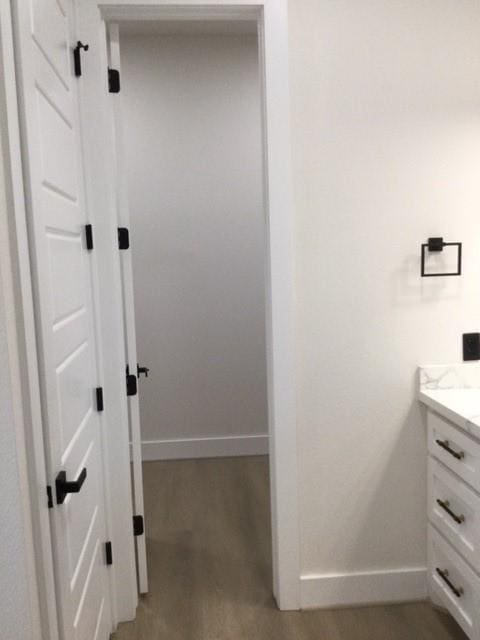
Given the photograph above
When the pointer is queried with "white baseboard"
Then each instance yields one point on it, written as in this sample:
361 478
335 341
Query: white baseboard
214 447
375 587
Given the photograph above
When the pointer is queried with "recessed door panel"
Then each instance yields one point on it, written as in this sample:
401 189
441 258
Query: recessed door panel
57 141
66 263
81 512
74 392
50 31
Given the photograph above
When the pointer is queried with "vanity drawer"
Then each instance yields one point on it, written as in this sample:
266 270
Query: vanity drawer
458 451
455 511
453 584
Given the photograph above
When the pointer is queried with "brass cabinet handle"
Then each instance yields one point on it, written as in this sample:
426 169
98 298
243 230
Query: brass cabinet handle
445 444
445 505
458 591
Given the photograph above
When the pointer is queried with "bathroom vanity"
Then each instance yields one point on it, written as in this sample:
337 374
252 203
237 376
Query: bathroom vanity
452 397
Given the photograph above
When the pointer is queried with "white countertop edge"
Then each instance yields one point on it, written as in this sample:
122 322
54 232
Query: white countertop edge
455 417
458 419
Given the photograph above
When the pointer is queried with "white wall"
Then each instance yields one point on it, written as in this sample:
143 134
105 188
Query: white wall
15 601
192 112
386 134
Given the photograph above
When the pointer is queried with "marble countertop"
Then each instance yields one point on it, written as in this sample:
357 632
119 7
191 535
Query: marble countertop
453 391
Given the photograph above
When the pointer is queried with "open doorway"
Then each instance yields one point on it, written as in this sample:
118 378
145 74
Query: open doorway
192 163
191 109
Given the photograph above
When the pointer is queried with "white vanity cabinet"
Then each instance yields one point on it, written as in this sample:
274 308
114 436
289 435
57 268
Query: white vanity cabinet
454 521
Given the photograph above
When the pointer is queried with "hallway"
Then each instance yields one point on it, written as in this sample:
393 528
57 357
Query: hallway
208 550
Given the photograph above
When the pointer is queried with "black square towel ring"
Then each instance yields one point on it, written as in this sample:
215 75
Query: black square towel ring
436 245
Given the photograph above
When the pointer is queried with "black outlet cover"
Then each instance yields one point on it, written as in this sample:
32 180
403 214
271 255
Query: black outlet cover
471 346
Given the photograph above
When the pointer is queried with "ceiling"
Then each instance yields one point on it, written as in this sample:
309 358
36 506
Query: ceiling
188 27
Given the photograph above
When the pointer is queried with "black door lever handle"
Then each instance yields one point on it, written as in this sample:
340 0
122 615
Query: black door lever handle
143 370
64 487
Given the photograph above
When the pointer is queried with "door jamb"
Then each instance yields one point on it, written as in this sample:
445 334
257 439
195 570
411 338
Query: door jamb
272 21
23 349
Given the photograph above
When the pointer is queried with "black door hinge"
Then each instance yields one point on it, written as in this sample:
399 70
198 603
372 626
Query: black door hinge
131 383
138 527
113 81
123 238
49 497
99 395
77 62
89 236
108 553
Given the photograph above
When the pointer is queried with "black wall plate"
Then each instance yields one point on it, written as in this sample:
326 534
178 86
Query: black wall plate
471 346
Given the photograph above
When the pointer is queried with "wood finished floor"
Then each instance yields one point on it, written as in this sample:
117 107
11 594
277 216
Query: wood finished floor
208 545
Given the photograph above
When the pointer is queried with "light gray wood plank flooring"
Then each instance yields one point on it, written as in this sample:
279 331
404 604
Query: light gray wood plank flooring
208 545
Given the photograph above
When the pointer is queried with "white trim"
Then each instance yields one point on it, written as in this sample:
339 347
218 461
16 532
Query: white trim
128 301
23 344
363 588
212 447
120 11
97 143
272 23
12 374
280 298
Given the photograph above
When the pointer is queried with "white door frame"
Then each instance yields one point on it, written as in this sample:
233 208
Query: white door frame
30 447
272 21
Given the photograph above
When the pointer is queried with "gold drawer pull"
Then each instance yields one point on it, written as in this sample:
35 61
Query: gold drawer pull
458 591
445 504
445 444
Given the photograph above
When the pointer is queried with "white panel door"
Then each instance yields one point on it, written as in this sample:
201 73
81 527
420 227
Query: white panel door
128 311
66 332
